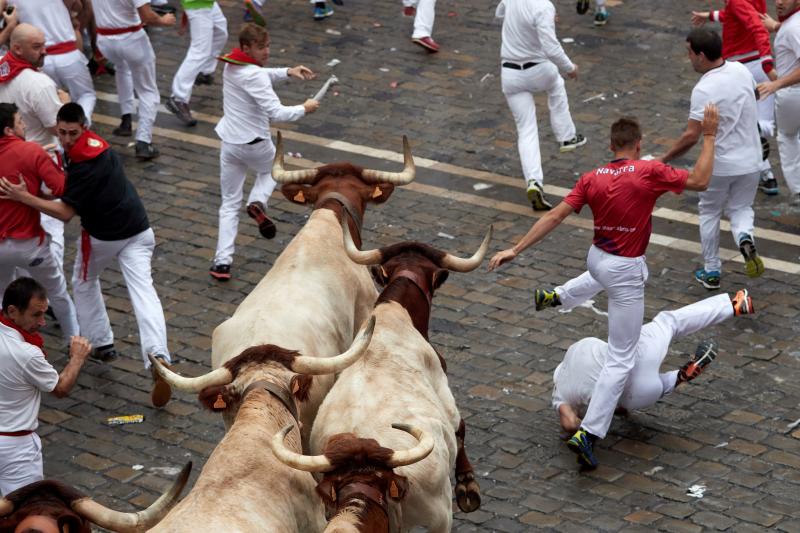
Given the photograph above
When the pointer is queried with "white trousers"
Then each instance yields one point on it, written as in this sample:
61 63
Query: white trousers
38 262
766 106
208 29
135 62
787 111
518 87
70 71
234 162
20 462
423 20
134 257
734 196
55 228
646 385
623 279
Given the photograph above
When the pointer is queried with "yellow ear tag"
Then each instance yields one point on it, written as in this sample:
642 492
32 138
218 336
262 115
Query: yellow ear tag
219 403
377 192
394 492
299 197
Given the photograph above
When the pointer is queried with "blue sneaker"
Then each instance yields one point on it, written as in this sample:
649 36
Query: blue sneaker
709 280
321 12
581 445
601 17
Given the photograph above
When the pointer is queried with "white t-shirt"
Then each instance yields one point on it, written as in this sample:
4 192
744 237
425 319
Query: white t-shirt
787 46
36 96
249 103
24 374
49 16
732 88
117 13
529 33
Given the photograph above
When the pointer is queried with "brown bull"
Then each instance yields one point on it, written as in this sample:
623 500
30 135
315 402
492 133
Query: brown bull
51 506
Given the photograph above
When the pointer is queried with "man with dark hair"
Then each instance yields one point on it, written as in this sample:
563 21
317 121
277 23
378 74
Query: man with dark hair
249 106
24 375
737 163
621 195
114 226
23 241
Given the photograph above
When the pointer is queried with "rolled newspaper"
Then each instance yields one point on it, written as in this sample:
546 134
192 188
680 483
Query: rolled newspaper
321 93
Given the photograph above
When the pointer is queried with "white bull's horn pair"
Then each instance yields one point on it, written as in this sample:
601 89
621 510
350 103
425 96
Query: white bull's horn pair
450 262
302 364
320 463
119 521
308 176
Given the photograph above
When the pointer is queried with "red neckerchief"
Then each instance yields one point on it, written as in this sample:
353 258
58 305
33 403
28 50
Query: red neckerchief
779 18
11 66
88 146
237 57
27 336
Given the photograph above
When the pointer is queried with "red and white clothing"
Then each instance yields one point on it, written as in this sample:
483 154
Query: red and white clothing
63 62
744 37
621 196
24 375
208 29
122 40
249 106
529 42
787 59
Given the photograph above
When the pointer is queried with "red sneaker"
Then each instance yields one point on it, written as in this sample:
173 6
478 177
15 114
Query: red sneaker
427 43
409 11
265 226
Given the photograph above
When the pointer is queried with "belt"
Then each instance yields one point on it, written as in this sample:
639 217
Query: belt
61 48
256 140
515 66
15 433
119 31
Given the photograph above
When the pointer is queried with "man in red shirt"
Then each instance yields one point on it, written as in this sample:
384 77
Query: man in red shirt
23 241
621 195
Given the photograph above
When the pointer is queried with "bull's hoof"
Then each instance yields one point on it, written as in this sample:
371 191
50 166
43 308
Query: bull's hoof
468 492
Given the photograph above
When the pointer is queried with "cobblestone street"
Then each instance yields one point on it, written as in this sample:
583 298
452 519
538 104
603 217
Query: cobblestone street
730 431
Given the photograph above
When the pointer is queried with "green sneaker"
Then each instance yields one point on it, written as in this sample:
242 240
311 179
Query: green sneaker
581 445
536 197
544 298
753 265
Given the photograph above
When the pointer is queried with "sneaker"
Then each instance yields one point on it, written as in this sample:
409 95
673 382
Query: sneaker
537 199
582 7
764 147
204 79
601 17
253 14
220 272
265 226
742 303
427 43
161 392
105 353
753 265
409 11
181 110
581 444
125 128
322 12
163 9
767 183
705 353
544 298
709 280
570 145
146 151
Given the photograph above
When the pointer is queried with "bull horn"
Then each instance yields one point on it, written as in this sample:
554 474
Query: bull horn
368 257
6 507
395 178
219 376
457 264
304 364
133 522
298 461
415 454
285 177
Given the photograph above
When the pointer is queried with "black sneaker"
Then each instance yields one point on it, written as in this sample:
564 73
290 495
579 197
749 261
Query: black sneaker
764 148
266 227
220 272
570 145
125 126
204 79
705 353
146 151
537 199
582 7
105 353
181 110
767 183
163 9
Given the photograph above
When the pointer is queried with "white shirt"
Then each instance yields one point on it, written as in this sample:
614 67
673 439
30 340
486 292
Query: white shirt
36 96
529 33
732 88
787 46
574 378
249 103
117 14
24 374
51 17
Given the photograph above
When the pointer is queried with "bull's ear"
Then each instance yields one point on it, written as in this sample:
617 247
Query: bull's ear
398 485
326 491
379 275
438 277
299 193
301 386
380 193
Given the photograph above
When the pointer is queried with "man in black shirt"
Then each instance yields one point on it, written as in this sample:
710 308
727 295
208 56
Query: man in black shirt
114 225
